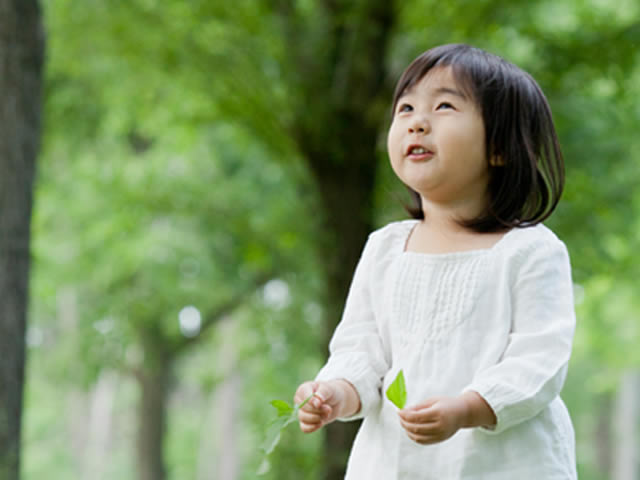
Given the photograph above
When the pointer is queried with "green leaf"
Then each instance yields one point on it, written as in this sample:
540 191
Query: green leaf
283 407
273 434
397 391
286 416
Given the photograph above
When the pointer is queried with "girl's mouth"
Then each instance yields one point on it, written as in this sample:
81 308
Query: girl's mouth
418 153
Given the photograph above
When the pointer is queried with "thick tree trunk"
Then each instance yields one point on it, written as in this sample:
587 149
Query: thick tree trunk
152 417
21 59
349 221
341 150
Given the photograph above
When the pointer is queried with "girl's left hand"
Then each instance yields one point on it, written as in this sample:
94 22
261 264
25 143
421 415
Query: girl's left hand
434 420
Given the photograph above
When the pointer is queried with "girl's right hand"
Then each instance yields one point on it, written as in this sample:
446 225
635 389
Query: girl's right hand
323 408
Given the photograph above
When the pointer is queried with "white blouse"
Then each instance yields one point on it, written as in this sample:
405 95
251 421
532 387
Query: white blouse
499 321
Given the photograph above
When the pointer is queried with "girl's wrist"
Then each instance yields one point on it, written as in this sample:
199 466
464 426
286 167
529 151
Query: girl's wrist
476 411
350 400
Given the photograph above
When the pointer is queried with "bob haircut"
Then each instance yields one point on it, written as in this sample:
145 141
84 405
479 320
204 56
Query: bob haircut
526 181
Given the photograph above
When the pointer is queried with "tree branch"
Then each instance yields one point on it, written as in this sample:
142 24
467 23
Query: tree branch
222 311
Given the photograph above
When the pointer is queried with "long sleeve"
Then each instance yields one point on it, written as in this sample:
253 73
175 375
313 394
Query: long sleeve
532 370
356 351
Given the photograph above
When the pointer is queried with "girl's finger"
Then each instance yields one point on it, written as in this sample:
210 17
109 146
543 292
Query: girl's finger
311 408
413 429
416 416
309 428
417 427
303 391
424 439
308 417
322 393
316 401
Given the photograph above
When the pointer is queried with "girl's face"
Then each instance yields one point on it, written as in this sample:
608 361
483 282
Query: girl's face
436 142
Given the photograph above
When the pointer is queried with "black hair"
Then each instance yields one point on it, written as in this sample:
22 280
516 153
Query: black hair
526 185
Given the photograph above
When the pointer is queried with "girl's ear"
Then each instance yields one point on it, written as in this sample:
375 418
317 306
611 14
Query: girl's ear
496 161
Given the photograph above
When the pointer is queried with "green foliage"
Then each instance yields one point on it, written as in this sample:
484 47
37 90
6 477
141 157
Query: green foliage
287 414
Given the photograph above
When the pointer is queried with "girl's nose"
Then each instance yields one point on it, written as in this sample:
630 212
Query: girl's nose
419 124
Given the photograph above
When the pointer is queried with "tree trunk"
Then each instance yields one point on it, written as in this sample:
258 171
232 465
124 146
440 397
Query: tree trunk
603 440
341 150
625 454
21 59
152 416
226 409
99 427
227 400
348 224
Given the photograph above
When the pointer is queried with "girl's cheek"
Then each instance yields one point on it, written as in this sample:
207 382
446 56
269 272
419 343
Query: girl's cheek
389 145
392 139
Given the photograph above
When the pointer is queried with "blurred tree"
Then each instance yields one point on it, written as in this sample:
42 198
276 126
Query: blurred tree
21 61
295 78
149 237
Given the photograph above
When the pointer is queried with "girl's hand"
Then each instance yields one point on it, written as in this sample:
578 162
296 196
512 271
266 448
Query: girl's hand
439 418
434 420
330 400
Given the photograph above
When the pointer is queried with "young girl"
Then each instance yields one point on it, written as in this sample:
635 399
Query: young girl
472 299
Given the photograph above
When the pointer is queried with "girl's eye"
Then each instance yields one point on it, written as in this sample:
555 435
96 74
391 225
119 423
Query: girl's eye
405 107
444 105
